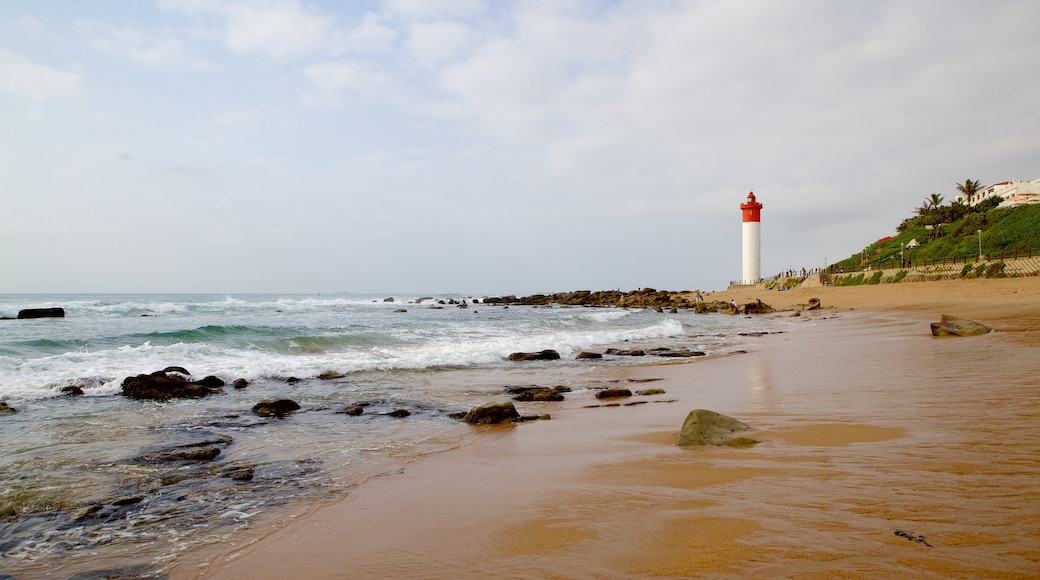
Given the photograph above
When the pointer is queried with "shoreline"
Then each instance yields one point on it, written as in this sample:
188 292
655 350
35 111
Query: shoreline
868 426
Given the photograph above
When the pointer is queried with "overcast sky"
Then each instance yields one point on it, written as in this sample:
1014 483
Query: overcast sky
427 146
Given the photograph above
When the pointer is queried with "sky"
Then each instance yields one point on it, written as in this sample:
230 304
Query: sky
484 147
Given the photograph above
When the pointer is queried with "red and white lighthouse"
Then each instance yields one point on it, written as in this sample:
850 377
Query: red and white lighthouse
751 214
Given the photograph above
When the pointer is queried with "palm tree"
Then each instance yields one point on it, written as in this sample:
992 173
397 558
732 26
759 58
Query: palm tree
931 204
969 188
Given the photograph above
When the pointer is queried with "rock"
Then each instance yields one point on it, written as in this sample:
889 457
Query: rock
401 311
537 394
648 392
331 375
492 413
175 369
72 391
275 407
240 383
161 386
585 354
41 313
399 413
5 408
389 299
703 427
352 411
540 355
239 473
613 393
953 326
211 382
681 353
626 352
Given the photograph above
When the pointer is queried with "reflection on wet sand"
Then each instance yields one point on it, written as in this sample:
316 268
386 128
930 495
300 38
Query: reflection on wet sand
883 452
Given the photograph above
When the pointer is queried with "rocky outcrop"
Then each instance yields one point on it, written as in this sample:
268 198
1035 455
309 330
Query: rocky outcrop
613 394
492 413
41 313
953 326
540 355
164 385
275 407
703 427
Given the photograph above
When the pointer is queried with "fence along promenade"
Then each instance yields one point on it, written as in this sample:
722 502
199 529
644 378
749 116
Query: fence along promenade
1003 264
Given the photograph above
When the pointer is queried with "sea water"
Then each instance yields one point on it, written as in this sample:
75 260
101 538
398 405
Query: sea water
77 483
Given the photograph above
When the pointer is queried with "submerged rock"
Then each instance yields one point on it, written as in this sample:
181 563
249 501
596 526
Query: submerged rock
953 326
547 354
275 407
703 427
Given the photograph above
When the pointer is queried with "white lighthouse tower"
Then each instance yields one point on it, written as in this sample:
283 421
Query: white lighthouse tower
751 213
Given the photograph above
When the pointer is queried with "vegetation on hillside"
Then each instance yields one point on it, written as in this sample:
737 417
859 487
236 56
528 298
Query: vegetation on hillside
951 231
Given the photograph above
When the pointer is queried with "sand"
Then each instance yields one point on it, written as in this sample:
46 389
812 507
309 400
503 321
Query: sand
882 451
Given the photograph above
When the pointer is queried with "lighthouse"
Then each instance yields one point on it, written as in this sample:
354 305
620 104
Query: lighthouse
751 214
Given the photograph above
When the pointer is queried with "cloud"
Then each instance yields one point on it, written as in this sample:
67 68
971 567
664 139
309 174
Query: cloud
335 81
433 9
150 49
23 78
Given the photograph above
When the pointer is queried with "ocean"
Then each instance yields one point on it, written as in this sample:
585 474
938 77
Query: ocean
87 482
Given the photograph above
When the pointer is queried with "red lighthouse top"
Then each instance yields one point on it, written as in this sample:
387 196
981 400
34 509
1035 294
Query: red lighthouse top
751 211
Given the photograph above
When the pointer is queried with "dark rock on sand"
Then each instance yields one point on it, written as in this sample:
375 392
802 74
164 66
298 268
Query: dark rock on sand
648 392
537 394
684 353
953 326
492 413
162 386
41 313
613 393
585 354
548 354
625 352
275 407
703 427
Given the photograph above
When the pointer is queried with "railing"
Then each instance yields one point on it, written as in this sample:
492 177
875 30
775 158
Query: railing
996 265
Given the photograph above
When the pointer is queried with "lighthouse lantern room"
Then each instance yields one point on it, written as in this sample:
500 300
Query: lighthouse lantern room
751 214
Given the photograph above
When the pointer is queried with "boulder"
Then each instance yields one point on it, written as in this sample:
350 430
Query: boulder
5 408
953 326
626 352
72 391
588 355
275 407
240 383
613 393
540 355
399 413
703 427
491 413
41 313
162 386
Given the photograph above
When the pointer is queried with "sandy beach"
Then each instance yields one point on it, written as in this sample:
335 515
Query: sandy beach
882 451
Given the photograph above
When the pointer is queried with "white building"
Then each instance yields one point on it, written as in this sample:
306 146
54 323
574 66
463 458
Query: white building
1014 192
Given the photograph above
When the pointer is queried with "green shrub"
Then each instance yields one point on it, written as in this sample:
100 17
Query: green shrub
899 275
966 270
979 270
875 278
996 270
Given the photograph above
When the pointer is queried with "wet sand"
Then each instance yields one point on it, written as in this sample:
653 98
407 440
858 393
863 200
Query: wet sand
868 426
